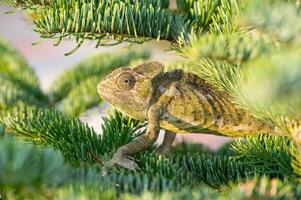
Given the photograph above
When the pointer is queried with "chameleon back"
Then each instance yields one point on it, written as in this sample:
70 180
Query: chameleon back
197 107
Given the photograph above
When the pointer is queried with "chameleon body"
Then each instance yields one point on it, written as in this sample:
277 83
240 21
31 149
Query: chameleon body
176 101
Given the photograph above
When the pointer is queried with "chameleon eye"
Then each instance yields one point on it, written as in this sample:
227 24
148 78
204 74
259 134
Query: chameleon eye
126 81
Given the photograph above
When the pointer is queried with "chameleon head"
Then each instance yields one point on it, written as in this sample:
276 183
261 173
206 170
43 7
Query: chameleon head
130 90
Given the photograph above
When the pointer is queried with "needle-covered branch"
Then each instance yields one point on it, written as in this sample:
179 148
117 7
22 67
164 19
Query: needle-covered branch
126 20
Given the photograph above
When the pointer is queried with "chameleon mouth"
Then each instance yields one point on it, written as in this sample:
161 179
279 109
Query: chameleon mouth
106 93
102 90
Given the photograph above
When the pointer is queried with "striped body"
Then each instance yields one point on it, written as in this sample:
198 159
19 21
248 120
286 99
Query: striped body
197 107
185 102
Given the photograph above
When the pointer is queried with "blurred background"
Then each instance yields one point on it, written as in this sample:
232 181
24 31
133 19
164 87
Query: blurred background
49 61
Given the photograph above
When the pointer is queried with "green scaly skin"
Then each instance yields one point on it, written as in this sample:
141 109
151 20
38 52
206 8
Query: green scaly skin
176 101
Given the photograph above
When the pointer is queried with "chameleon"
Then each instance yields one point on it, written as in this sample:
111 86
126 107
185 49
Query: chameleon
176 101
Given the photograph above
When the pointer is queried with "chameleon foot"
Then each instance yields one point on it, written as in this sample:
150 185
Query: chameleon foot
123 161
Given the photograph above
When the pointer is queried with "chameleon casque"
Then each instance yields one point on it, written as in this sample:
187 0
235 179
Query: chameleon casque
176 101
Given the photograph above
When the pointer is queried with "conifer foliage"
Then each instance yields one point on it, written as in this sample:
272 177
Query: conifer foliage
249 49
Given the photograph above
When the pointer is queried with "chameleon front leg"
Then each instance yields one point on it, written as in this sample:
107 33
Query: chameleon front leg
165 147
121 157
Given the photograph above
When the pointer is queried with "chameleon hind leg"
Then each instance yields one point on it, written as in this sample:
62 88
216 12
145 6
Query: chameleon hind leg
165 147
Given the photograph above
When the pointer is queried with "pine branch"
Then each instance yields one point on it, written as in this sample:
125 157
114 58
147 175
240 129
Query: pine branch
278 20
14 65
267 154
77 142
162 174
82 97
216 171
40 3
213 170
168 168
156 175
13 91
185 5
271 91
128 20
121 182
18 82
98 65
139 182
200 192
224 20
264 188
120 20
27 168
258 188
279 92
233 48
214 16
216 13
119 130
296 162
